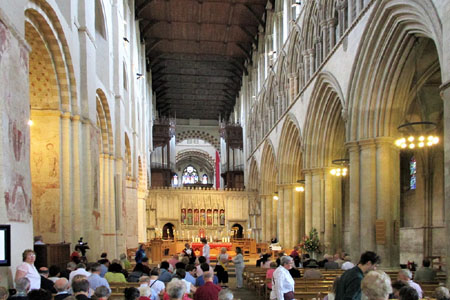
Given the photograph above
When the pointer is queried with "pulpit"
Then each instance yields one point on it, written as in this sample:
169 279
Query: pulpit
52 254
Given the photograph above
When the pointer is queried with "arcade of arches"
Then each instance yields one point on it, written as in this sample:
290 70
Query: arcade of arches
326 81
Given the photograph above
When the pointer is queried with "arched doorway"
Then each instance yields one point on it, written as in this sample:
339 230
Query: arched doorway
168 230
238 231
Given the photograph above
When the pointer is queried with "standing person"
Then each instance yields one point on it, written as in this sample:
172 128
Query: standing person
222 267
238 261
349 285
282 281
140 254
189 252
205 249
28 270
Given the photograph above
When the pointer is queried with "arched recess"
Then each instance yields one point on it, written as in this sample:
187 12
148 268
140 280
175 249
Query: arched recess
397 65
104 123
267 189
253 176
295 59
290 209
128 159
197 134
203 162
324 142
52 94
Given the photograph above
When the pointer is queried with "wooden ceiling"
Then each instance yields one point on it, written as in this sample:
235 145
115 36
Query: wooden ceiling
196 50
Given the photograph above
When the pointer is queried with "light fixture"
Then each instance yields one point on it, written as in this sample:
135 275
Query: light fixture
271 53
296 3
30 122
417 135
139 75
342 170
275 197
301 187
125 39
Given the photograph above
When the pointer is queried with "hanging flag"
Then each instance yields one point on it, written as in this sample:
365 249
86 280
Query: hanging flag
217 170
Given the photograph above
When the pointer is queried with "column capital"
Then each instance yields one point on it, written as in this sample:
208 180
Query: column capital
287 185
444 86
65 115
332 22
366 144
76 118
384 140
352 146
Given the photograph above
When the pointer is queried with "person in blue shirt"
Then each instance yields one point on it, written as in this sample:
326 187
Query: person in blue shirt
140 254
200 280
164 274
190 273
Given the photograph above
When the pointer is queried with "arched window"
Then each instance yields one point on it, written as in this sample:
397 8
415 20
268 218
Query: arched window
412 173
190 175
205 179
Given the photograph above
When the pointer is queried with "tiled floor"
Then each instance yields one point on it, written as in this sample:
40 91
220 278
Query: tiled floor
244 293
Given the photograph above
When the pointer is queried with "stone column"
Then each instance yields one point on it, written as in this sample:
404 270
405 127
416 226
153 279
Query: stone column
317 199
76 184
280 217
331 29
325 39
297 217
67 206
349 13
263 217
308 201
287 216
368 200
329 196
388 198
445 94
275 219
355 249
268 217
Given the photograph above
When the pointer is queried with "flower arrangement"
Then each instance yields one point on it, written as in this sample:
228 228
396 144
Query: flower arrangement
310 243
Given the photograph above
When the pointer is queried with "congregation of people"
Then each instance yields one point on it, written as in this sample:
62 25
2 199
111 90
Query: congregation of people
183 276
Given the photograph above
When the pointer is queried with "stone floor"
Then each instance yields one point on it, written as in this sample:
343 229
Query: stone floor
242 294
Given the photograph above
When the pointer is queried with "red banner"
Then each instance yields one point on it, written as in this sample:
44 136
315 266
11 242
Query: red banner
217 170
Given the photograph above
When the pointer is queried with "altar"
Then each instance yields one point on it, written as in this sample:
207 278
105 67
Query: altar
214 249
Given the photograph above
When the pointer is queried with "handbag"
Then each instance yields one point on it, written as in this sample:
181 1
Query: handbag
289 295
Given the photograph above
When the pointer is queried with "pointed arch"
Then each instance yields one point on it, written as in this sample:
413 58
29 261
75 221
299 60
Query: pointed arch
269 170
253 177
324 127
290 152
386 43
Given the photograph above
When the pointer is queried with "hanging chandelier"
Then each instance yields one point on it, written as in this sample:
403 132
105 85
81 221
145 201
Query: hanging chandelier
342 170
417 135
301 187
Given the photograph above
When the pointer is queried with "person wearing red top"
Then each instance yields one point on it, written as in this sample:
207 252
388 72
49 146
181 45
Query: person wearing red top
208 291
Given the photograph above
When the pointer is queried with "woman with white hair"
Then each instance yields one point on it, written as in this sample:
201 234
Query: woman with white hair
405 275
442 293
376 285
226 294
176 289
282 281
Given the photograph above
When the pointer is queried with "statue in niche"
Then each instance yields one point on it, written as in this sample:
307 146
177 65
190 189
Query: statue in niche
222 217
209 217
183 216
216 217
196 216
189 216
202 217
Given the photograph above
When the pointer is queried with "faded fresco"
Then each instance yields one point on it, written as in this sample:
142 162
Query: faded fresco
15 131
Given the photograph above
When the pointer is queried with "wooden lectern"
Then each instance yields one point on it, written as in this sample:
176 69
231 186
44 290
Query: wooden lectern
52 254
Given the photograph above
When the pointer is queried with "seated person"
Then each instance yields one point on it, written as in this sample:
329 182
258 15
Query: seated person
307 260
425 273
200 280
115 274
396 287
295 273
263 261
164 274
202 260
311 272
442 293
269 274
408 293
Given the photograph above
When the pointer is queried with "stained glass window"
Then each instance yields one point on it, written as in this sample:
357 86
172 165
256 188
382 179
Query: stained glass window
205 179
412 173
190 175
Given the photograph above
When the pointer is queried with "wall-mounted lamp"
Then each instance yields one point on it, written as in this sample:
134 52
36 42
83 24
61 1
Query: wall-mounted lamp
275 196
271 53
30 121
296 3
125 39
342 170
139 76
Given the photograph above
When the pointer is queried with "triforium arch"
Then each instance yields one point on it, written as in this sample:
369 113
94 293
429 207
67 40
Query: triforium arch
256 210
290 203
386 79
324 142
267 190
52 100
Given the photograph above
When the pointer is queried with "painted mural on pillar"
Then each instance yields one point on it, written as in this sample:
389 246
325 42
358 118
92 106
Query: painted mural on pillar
15 144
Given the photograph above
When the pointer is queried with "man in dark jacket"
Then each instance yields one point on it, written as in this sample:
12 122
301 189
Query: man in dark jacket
349 285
